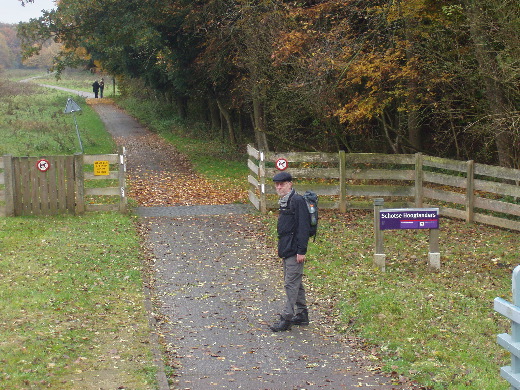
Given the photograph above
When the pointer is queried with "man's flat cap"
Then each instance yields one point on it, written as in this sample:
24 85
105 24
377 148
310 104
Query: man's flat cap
282 176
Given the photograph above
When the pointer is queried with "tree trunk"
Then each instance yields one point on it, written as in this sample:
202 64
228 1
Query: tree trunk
214 115
182 106
414 129
227 116
259 125
393 144
491 74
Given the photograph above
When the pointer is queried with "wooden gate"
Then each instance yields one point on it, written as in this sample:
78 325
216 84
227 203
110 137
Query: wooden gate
62 184
43 186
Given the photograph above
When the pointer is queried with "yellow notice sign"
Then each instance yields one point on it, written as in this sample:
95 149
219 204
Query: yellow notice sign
101 168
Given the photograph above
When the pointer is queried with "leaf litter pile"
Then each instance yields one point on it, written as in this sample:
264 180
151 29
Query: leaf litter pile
160 176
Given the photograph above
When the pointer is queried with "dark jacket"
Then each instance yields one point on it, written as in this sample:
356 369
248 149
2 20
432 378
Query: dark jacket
293 227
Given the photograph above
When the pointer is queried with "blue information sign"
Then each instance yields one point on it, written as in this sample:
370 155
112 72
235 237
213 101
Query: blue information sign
422 218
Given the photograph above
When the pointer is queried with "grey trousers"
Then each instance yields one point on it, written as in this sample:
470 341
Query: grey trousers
294 291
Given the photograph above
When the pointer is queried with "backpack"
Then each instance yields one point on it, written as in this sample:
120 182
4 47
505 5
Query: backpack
311 198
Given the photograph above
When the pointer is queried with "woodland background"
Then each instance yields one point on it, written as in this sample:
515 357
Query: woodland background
440 77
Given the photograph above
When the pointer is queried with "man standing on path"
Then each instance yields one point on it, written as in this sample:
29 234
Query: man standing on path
293 237
95 88
101 88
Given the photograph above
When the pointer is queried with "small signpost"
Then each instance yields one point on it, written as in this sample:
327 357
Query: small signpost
73 107
397 219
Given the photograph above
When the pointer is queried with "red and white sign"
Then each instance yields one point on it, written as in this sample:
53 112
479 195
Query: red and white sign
282 164
43 165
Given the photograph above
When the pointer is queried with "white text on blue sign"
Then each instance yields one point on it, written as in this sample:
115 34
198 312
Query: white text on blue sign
409 219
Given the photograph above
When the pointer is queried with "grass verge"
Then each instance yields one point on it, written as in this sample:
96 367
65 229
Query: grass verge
32 122
72 304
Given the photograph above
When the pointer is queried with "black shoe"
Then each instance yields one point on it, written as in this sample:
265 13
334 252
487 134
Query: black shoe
301 318
282 325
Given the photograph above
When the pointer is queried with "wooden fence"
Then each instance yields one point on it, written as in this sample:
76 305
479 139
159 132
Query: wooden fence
62 184
460 189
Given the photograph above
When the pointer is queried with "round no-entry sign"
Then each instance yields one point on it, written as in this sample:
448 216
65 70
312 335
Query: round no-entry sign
281 164
43 165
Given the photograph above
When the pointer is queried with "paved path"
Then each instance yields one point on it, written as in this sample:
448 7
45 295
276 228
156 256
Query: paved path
72 91
218 291
79 93
193 211
215 290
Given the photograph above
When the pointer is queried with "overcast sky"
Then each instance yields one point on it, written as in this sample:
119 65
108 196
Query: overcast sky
11 11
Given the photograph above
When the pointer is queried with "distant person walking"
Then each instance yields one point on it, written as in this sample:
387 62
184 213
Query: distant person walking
293 236
95 88
101 87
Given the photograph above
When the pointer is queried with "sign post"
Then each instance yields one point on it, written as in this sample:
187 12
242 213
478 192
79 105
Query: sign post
379 255
73 107
398 219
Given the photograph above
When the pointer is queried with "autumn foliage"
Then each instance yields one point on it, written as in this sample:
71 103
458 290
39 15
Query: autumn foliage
438 77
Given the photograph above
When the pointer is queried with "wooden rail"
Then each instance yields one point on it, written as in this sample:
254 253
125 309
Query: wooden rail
460 189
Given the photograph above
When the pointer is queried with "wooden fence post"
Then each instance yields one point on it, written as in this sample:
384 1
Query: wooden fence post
419 178
79 183
470 193
261 177
342 182
9 185
379 255
434 254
